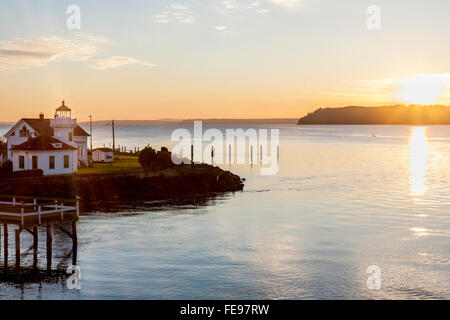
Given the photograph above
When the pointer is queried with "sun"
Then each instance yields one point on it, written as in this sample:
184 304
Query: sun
424 89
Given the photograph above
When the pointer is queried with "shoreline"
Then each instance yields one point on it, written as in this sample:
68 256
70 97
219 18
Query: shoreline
105 190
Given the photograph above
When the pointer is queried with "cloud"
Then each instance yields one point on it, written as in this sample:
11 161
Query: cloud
257 6
228 4
117 61
290 4
175 12
23 53
223 29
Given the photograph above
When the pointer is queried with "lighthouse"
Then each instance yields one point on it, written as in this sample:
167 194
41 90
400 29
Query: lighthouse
63 125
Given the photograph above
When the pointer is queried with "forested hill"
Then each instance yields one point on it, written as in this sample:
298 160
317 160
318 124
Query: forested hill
414 115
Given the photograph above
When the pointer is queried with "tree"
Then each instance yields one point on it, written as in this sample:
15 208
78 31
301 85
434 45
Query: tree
147 156
6 166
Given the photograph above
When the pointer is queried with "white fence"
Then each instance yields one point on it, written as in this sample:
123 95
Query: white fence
38 209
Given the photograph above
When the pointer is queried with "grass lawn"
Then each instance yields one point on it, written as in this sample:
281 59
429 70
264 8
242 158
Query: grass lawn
121 163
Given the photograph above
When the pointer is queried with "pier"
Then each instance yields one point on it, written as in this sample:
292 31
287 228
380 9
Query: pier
29 214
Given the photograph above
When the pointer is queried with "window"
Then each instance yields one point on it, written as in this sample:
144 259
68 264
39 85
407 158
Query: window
66 162
51 163
35 162
70 136
24 132
21 162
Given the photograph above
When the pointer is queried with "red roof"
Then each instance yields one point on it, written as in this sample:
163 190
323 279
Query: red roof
79 132
63 107
43 126
42 143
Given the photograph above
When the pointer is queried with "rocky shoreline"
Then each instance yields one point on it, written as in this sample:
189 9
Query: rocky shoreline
102 190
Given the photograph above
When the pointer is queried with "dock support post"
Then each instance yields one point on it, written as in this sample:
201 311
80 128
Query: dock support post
49 248
5 243
21 217
78 207
74 243
18 250
35 246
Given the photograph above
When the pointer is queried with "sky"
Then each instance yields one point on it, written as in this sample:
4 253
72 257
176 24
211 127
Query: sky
143 60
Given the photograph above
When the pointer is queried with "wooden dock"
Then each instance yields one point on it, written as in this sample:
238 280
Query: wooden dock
29 214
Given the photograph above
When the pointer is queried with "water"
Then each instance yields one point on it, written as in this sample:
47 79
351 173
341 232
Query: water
345 198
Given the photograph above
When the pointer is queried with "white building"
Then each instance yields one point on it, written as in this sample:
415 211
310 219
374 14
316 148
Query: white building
102 155
57 146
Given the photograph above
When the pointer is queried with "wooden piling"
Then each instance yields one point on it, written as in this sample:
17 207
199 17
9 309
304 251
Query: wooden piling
22 219
35 246
18 250
49 247
74 243
5 243
77 206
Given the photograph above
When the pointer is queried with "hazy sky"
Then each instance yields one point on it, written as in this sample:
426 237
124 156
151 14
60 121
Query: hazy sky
219 58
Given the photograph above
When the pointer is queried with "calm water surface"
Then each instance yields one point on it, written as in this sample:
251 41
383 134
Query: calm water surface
345 198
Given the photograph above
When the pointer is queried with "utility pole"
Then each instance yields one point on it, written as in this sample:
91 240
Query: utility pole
114 137
90 127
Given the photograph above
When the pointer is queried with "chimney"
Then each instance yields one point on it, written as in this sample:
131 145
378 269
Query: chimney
41 116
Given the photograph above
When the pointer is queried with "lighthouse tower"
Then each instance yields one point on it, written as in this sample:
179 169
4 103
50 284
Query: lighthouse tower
63 129
63 125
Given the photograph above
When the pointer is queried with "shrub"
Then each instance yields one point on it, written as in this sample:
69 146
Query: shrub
28 173
22 174
6 166
165 158
147 156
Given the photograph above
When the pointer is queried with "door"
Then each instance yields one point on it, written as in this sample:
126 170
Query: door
35 162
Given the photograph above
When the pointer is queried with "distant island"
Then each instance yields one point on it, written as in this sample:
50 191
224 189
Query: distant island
173 122
387 115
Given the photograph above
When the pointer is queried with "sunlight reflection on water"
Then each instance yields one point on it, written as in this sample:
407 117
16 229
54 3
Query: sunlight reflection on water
418 160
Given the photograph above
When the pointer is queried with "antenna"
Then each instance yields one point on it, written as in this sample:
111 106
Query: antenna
114 137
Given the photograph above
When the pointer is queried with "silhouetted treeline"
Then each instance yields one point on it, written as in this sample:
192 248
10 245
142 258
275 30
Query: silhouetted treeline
413 115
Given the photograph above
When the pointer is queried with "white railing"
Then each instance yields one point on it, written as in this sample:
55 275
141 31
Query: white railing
39 209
